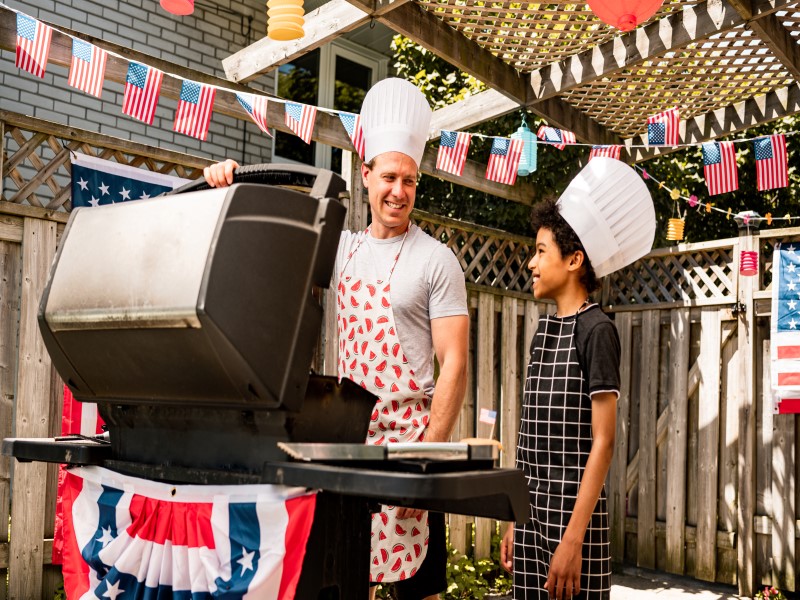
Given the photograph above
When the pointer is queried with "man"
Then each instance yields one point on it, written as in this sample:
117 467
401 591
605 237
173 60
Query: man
401 300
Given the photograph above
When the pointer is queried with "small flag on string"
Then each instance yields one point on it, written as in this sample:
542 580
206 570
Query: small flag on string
663 129
33 45
488 416
453 147
300 119
719 167
142 86
771 164
557 137
607 151
256 107
88 68
352 124
504 160
194 109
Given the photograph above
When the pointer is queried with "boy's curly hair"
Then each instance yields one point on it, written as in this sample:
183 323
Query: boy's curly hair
547 214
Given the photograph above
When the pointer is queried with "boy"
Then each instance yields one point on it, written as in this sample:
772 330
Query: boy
568 422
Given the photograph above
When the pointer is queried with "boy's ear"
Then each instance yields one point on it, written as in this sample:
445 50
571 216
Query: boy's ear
576 261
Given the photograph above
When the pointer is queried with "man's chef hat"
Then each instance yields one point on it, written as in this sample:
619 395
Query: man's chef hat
395 117
611 211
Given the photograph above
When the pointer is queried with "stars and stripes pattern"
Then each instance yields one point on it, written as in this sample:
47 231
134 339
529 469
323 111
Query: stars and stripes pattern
607 151
555 137
719 167
663 129
256 107
88 67
300 119
503 160
453 148
142 87
352 125
771 162
127 537
33 45
195 106
785 329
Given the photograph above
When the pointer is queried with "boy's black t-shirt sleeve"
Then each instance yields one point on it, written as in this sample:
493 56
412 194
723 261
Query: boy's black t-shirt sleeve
598 347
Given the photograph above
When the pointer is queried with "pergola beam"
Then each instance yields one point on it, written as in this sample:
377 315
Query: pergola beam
467 113
727 120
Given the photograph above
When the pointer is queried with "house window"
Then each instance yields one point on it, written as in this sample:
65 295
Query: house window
337 76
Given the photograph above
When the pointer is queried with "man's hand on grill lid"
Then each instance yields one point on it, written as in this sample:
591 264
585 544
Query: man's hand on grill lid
220 174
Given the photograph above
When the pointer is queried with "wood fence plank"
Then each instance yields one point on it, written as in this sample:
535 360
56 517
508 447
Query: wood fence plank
31 415
51 574
708 444
510 395
784 540
485 399
648 416
729 433
617 489
677 440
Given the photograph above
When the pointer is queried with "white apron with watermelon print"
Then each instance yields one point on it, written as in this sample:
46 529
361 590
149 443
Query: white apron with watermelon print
370 354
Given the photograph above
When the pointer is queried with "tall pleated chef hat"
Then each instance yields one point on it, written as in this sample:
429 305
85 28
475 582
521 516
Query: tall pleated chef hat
395 117
610 209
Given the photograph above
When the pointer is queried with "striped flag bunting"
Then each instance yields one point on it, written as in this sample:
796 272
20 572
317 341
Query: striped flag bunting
555 137
771 162
663 129
300 119
33 45
607 151
453 148
719 167
256 107
194 109
142 86
352 125
503 160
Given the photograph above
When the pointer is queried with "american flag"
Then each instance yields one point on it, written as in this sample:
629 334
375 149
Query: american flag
453 147
194 109
785 328
771 162
33 45
352 124
488 416
300 119
504 160
256 107
663 129
88 68
142 87
719 167
127 537
557 137
607 151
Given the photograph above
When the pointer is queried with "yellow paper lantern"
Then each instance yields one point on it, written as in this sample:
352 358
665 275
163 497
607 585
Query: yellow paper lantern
285 19
675 229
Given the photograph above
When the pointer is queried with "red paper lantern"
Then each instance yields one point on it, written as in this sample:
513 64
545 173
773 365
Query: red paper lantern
623 14
178 7
748 263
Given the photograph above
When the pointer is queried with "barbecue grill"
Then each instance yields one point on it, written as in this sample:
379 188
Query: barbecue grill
193 331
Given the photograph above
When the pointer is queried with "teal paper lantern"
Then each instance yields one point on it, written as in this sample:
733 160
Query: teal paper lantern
527 163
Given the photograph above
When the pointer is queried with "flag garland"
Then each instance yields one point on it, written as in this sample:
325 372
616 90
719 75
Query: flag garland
142 86
719 167
771 162
352 125
33 45
87 70
607 151
663 129
256 107
300 119
194 109
453 148
555 137
503 160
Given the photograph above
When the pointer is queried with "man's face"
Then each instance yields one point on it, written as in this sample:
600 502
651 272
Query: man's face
392 186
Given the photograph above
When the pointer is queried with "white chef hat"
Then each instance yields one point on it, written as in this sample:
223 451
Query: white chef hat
395 117
610 209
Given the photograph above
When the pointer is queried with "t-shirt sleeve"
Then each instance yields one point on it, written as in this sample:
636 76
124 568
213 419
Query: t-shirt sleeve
448 292
602 357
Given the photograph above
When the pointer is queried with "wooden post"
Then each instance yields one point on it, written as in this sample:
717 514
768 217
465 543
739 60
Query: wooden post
485 399
648 417
509 384
32 415
677 437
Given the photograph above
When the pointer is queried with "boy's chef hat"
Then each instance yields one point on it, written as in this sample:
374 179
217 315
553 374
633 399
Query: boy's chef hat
610 209
395 117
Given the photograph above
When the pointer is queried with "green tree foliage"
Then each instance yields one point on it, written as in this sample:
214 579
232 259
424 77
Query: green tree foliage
443 85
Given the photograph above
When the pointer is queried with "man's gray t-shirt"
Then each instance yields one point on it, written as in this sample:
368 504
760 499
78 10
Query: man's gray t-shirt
427 284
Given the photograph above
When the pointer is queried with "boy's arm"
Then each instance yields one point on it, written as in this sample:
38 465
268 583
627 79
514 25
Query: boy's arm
564 578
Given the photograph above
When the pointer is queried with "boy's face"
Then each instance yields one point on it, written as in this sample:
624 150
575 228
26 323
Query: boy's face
551 271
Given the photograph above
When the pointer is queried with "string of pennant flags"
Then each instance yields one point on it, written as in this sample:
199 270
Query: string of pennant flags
196 102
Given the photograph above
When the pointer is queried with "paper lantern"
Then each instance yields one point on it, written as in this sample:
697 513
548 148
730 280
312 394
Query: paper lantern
624 14
178 7
748 263
675 229
285 19
527 162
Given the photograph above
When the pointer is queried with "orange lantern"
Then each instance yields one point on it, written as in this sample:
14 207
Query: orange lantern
748 263
675 229
285 19
178 7
624 14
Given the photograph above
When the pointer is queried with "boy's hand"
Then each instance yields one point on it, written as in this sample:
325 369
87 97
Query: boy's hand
507 549
564 578
221 173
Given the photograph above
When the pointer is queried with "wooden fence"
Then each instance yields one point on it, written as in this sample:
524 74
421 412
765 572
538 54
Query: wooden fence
703 479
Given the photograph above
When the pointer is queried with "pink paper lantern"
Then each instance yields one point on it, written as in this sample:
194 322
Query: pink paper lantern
178 7
624 14
748 263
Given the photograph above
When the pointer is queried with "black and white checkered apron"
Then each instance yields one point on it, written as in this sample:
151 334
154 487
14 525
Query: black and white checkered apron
555 438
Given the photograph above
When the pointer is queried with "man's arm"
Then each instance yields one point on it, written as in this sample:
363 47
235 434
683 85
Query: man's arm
450 343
